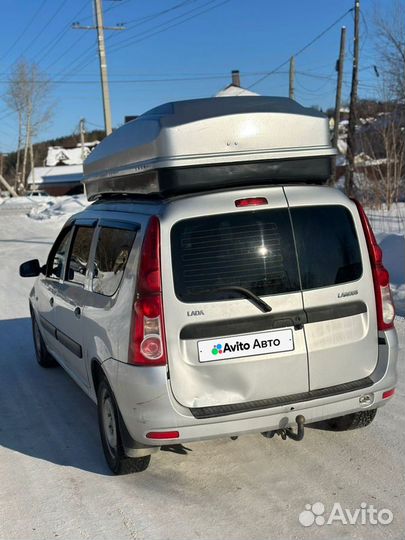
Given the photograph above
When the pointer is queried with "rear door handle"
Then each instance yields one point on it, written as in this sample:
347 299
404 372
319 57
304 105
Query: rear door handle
51 301
78 312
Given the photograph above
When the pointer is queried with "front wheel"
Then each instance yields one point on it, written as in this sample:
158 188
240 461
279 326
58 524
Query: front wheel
352 421
108 421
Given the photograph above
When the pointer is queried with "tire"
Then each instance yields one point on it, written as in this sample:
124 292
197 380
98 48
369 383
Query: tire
352 421
108 422
44 358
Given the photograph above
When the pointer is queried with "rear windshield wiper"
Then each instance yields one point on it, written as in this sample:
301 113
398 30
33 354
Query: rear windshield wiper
241 291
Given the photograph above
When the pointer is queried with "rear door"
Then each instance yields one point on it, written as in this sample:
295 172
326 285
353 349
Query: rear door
70 301
222 349
338 295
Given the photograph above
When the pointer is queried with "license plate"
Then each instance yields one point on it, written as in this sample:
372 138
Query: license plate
219 349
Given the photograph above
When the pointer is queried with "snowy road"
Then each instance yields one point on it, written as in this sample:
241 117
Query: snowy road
54 482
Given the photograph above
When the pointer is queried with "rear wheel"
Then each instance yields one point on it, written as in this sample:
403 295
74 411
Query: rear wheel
352 421
44 358
108 421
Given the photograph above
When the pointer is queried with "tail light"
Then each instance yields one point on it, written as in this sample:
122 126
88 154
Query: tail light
148 344
381 277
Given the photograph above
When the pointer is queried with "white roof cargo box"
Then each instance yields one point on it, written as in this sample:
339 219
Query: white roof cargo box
212 143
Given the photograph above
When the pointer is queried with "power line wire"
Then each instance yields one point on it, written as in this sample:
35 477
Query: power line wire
314 90
197 77
57 39
147 18
151 31
154 31
143 20
86 61
119 4
24 31
164 76
90 55
67 51
32 41
300 51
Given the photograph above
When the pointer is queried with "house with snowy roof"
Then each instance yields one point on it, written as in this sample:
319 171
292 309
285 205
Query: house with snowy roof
235 89
62 173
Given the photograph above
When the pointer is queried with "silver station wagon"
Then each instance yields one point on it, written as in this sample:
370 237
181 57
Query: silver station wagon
215 286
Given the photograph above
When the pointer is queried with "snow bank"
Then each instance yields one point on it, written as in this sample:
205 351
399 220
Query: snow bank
16 205
11 202
58 206
393 246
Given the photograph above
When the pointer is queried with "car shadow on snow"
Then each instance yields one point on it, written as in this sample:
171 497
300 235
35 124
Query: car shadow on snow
44 414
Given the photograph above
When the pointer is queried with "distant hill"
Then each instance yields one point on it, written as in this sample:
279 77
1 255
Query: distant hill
41 150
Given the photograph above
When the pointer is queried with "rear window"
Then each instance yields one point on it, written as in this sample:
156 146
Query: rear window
327 246
254 250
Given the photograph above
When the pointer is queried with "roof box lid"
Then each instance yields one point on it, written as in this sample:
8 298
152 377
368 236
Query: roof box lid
203 133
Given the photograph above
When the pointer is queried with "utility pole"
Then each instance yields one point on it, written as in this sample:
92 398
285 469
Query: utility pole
292 78
339 69
1 162
98 7
33 183
82 133
103 67
351 132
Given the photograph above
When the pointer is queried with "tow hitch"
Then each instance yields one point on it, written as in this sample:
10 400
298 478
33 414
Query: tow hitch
288 432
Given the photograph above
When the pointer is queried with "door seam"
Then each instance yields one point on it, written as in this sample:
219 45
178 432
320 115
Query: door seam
300 282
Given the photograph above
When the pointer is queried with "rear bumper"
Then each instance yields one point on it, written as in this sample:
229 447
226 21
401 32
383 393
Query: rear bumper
147 404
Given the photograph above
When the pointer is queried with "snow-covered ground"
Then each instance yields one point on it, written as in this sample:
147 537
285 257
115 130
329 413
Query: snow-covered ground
54 482
393 246
389 227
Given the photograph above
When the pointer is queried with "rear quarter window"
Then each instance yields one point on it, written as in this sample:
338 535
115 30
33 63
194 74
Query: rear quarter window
327 246
79 254
112 252
254 250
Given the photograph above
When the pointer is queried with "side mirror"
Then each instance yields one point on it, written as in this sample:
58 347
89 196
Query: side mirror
31 268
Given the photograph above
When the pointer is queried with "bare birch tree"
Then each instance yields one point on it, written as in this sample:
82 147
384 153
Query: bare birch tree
390 44
384 142
28 94
15 100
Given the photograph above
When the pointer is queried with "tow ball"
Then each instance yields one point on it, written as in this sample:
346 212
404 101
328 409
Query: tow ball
288 432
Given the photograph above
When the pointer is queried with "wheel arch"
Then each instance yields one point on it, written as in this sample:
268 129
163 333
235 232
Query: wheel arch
131 447
97 374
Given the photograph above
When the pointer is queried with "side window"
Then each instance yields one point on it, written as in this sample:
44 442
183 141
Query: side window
112 252
79 254
58 255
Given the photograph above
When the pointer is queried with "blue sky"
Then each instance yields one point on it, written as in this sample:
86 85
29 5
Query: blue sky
178 49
